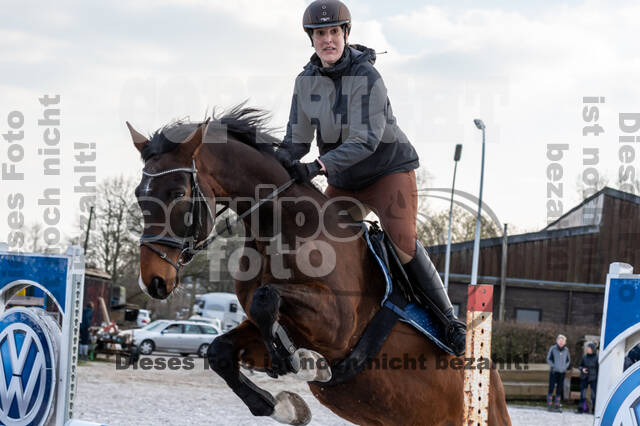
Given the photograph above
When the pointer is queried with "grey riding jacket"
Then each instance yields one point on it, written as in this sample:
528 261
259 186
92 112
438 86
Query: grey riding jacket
347 108
558 359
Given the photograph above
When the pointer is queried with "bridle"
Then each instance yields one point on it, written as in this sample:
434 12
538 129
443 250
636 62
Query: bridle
189 250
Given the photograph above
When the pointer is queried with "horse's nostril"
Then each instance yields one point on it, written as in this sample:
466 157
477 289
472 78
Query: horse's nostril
158 288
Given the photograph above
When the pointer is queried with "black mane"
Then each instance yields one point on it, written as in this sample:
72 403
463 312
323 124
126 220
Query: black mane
247 125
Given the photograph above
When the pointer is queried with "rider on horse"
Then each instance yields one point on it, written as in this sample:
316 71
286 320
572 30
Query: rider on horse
341 97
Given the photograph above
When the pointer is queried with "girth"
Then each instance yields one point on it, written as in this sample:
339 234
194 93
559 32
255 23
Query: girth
380 326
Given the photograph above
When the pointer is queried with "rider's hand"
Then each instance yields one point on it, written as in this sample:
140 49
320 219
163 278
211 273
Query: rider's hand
304 172
284 157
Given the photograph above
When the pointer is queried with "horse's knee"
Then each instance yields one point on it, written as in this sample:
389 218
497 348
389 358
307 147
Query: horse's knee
265 305
220 356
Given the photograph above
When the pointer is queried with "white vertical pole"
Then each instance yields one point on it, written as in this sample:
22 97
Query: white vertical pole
448 256
68 362
476 243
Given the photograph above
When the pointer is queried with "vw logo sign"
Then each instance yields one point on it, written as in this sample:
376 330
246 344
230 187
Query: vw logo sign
623 405
27 366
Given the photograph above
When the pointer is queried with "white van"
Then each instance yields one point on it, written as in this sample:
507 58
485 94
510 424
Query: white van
144 317
207 320
224 306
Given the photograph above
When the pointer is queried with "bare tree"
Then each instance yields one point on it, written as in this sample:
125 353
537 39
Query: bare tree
33 236
433 226
435 229
632 185
112 243
423 181
586 190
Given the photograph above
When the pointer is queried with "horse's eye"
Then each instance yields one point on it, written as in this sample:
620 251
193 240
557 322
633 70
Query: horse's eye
177 194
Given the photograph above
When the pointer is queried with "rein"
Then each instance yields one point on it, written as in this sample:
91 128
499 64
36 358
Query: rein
189 251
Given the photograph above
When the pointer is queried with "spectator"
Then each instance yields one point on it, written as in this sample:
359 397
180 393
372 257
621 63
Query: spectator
588 377
559 362
632 357
87 314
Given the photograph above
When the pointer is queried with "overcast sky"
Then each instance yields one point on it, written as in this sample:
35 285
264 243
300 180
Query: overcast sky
523 69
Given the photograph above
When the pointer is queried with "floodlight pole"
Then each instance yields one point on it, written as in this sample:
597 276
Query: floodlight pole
476 244
456 158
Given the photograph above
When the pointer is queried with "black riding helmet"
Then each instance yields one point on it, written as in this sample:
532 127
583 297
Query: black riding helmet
326 13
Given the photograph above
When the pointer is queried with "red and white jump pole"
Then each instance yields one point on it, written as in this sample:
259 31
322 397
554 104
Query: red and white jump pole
478 348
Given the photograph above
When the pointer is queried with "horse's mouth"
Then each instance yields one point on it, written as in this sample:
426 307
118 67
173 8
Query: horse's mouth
157 288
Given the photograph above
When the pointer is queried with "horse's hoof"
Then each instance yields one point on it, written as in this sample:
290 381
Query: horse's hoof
310 366
291 409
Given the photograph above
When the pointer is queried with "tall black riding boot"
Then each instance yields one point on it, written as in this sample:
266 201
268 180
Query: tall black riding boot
428 287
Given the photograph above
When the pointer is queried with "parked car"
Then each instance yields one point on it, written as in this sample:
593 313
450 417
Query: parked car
183 337
153 325
144 318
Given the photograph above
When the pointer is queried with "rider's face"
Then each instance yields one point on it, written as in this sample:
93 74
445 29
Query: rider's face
329 44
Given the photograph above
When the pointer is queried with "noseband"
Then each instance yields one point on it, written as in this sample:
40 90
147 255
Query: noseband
180 243
189 250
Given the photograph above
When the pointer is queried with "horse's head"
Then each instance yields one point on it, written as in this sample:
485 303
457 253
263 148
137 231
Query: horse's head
174 205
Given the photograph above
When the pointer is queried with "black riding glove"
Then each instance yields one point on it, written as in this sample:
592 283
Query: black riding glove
304 172
284 157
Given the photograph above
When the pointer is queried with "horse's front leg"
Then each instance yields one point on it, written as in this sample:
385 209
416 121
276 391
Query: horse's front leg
244 344
285 356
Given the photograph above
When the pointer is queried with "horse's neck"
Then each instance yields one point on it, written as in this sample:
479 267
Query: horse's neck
246 176
238 170
235 169
295 214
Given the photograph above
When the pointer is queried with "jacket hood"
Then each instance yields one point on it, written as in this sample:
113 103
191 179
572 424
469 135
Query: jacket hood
352 54
363 53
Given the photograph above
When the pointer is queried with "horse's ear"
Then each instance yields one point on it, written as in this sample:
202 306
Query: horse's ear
139 140
193 142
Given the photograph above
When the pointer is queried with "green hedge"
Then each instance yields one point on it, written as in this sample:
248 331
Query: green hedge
531 341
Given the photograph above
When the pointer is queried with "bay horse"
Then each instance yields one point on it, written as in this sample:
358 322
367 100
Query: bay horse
325 310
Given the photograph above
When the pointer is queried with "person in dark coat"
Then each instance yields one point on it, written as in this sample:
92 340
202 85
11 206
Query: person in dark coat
87 315
588 377
559 361
632 357
340 99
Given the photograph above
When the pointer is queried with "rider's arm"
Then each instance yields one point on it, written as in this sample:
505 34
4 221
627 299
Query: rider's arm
297 140
366 123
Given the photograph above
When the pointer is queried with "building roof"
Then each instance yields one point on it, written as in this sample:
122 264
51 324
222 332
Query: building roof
582 219
519 238
589 211
97 273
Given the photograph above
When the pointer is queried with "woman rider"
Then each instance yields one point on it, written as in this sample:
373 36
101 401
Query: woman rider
341 98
